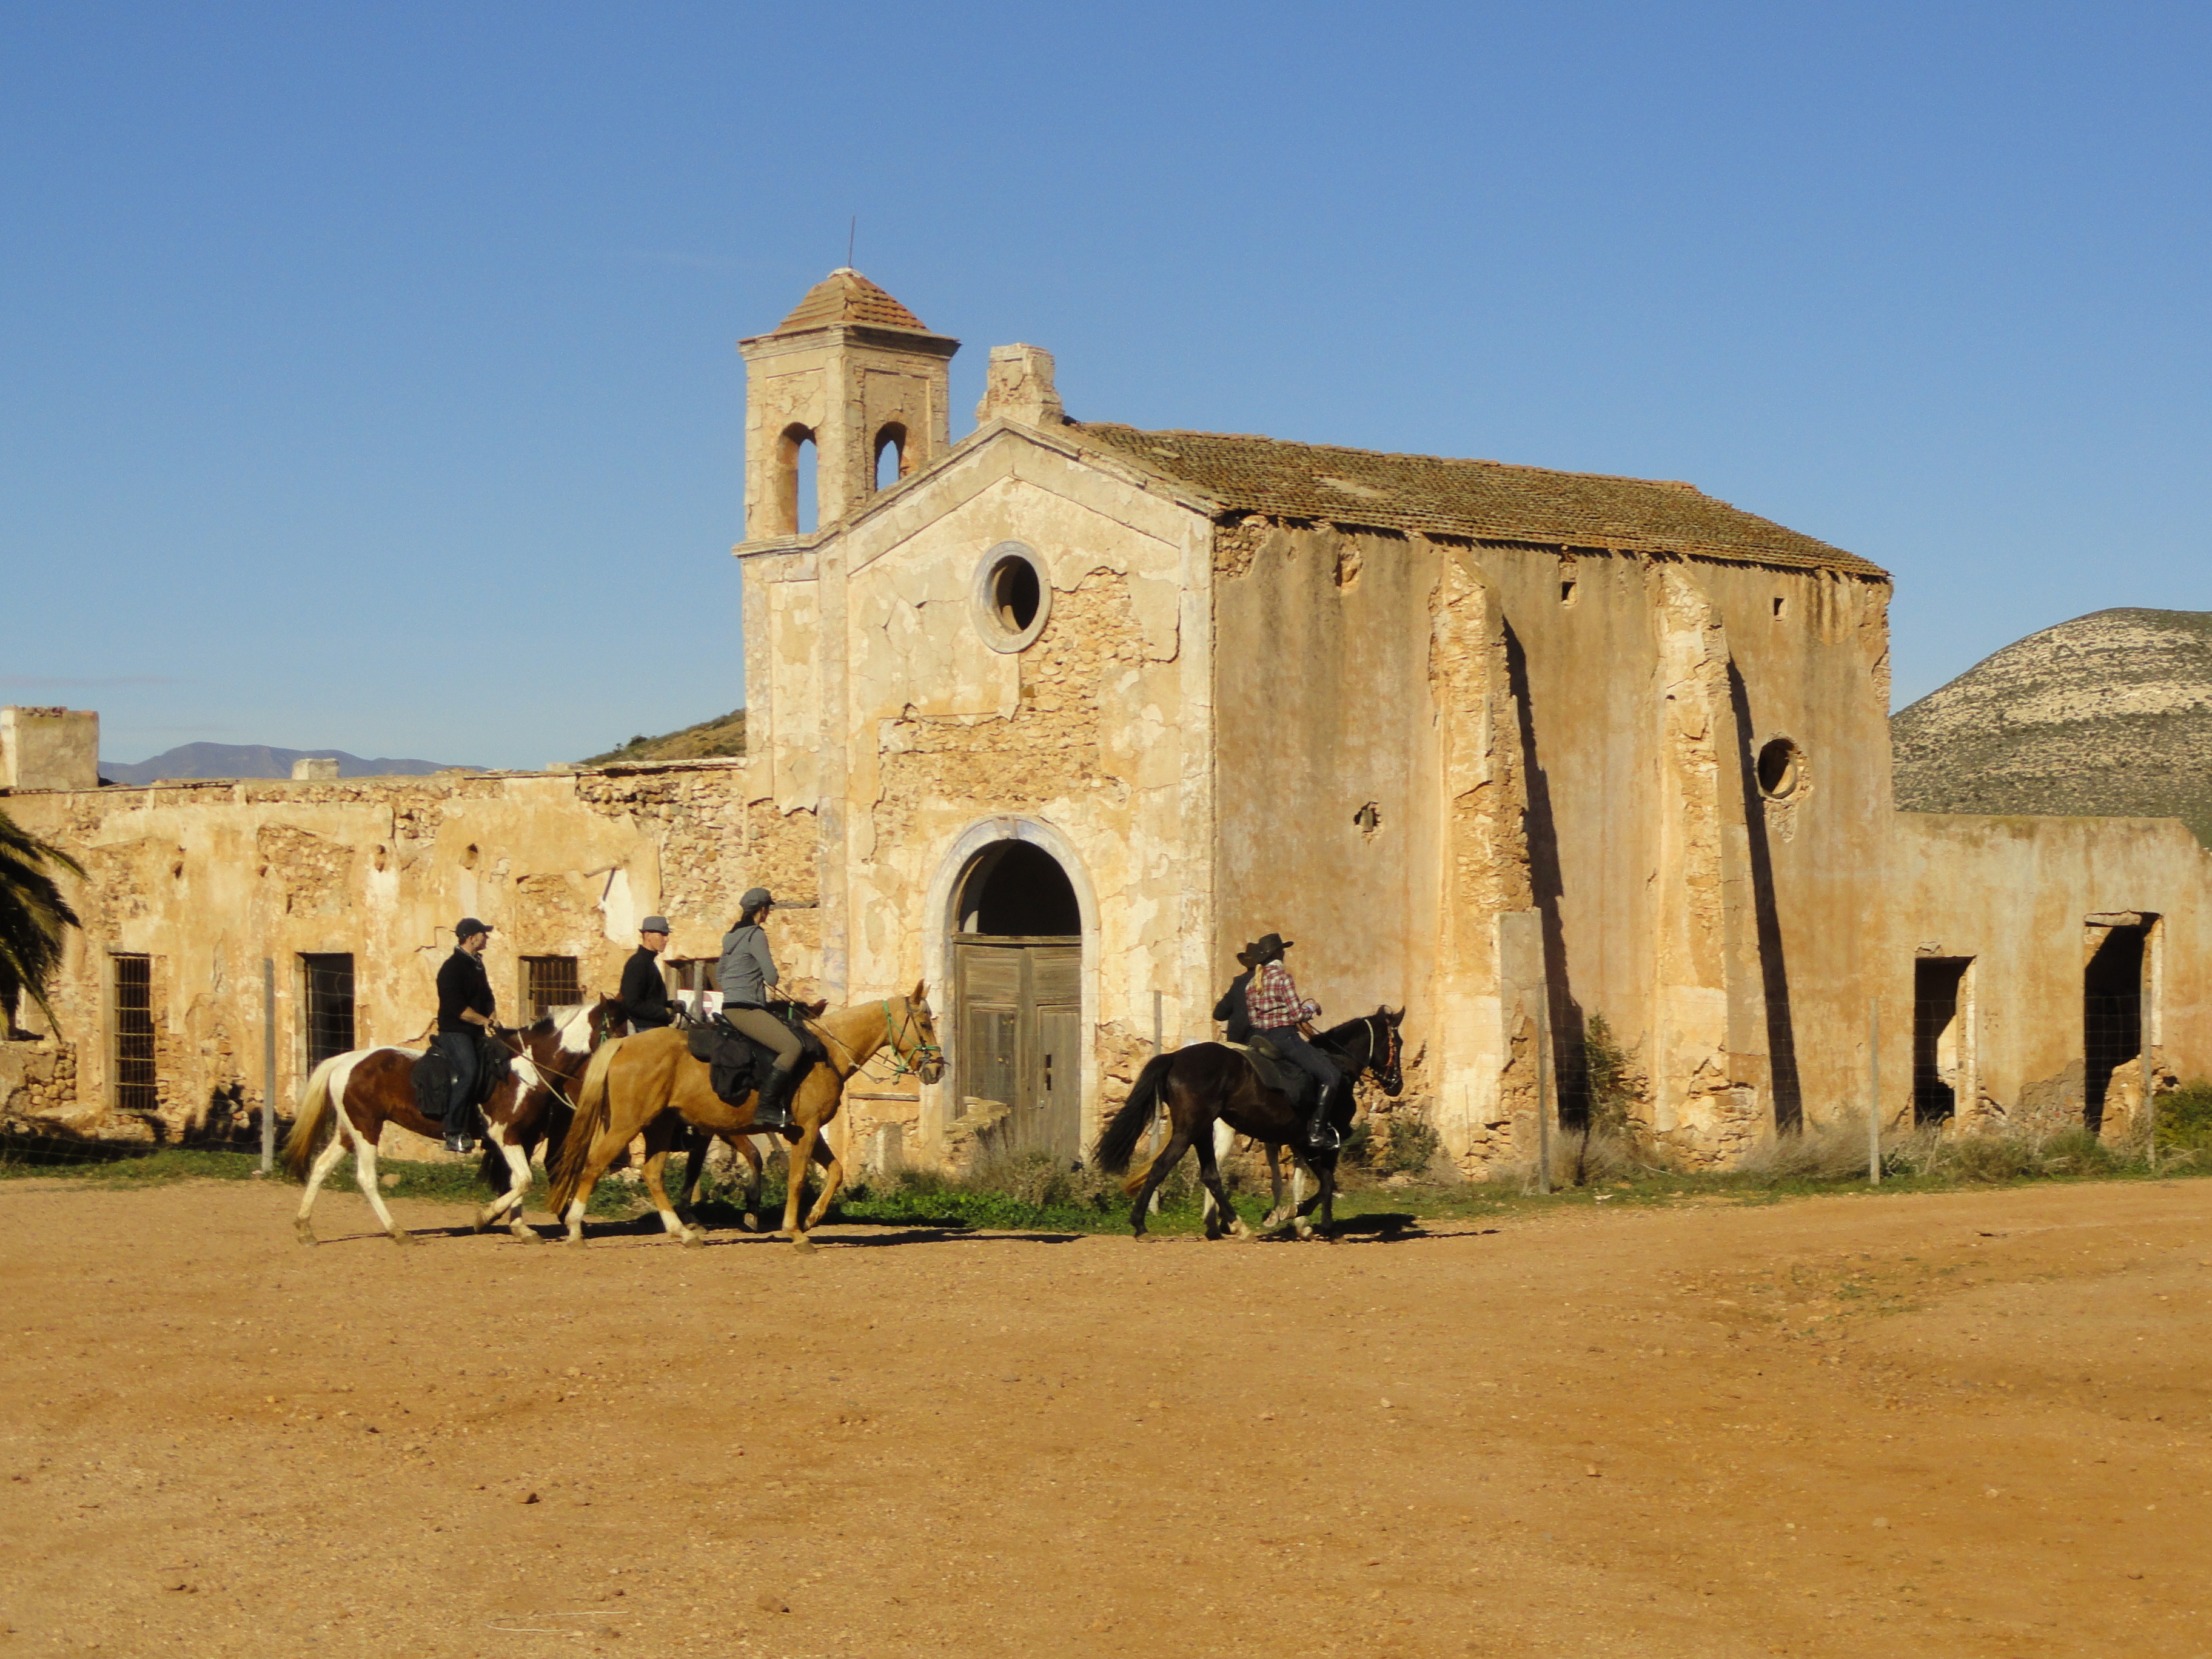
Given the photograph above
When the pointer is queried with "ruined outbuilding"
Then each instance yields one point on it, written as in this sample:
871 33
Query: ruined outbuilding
1057 716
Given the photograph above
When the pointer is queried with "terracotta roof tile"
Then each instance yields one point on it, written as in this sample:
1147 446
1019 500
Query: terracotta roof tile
845 296
1487 499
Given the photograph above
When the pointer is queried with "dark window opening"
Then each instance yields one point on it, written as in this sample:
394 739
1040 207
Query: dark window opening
2111 1015
329 1006
1939 1037
796 484
1781 769
135 1088
1781 606
1018 890
890 455
1567 588
548 982
1015 594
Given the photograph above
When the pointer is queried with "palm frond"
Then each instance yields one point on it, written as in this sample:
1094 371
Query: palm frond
33 913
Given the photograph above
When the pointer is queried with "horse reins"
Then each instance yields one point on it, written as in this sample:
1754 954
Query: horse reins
893 1030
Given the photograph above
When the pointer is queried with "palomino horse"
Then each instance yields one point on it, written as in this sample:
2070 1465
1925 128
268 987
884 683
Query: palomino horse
1208 1086
650 1085
374 1088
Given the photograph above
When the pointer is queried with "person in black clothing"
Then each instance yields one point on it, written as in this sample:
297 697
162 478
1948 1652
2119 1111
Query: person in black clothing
644 992
1230 1009
465 1011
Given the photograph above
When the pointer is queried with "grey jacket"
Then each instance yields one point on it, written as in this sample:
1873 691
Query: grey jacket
746 968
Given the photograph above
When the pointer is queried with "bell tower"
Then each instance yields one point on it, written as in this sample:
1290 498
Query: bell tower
853 373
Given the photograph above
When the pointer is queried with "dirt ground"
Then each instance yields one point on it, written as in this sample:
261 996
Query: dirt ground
1972 1424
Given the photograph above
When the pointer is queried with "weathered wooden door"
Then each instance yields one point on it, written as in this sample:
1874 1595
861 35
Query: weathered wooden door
1020 1038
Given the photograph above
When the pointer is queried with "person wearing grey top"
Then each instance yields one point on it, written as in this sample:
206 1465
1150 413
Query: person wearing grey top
745 974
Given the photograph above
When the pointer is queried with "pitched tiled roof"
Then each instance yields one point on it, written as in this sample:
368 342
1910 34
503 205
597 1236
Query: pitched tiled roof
846 296
1476 499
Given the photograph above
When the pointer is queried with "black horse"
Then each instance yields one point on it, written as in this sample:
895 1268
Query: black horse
1210 1084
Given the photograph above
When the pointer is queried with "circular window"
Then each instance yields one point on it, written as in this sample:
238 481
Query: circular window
1781 769
1012 598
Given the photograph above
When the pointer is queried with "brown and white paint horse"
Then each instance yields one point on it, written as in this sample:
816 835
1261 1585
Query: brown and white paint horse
372 1088
649 1084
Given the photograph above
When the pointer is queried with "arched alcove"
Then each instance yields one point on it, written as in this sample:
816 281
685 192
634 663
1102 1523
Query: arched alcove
1015 890
1016 951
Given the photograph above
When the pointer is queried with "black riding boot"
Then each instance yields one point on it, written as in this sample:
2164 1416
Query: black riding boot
1322 1134
772 1111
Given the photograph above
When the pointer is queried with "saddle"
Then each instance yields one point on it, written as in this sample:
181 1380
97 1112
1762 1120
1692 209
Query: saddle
737 1066
432 1076
1275 1073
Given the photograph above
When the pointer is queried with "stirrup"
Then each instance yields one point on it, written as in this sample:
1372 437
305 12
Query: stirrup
1322 1135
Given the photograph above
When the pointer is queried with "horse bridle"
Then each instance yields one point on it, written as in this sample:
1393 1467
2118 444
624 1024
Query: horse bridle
894 1029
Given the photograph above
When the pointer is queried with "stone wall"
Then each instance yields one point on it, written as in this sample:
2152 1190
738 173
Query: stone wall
208 878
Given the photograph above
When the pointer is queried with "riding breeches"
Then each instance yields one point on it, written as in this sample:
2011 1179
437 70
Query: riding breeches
768 1031
1286 1041
459 1049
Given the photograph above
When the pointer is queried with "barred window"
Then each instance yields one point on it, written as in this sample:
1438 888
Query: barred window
135 1089
548 982
329 1004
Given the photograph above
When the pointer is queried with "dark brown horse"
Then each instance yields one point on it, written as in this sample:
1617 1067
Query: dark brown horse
371 1088
1207 1085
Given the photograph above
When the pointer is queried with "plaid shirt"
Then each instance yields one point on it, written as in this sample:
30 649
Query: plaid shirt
1273 999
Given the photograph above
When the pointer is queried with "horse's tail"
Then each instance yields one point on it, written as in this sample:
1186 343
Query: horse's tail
591 1116
307 1121
1117 1142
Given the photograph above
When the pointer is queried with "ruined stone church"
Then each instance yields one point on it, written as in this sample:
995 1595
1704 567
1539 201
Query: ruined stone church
1055 718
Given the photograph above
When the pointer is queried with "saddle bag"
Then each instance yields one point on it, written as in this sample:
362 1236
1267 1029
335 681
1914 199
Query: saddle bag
432 1076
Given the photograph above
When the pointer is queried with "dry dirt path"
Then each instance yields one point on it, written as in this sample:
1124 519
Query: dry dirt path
1972 1424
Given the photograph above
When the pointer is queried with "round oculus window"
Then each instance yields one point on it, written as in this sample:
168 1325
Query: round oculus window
1013 597
1781 769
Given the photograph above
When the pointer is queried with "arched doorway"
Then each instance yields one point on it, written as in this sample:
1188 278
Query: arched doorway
1018 975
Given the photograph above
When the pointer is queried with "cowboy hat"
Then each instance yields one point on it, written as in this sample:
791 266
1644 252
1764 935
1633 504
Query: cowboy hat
1266 948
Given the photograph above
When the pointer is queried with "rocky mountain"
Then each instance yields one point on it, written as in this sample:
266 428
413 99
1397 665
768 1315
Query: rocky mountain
2107 715
256 760
723 735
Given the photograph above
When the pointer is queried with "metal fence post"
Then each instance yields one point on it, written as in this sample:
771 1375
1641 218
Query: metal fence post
268 1064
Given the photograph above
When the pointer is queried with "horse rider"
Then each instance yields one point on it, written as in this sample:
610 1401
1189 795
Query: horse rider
465 1005
745 974
644 992
1276 1011
1232 1010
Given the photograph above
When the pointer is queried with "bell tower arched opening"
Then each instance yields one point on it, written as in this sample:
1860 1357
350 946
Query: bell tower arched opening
1018 998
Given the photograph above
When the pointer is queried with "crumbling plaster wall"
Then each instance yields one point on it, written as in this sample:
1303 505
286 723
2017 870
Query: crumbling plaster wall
209 878
2014 894
1096 731
1568 735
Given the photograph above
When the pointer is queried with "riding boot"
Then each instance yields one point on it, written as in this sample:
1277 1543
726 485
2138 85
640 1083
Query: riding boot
1322 1134
772 1111
461 1126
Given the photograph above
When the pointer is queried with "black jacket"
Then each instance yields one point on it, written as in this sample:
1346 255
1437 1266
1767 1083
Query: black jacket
462 983
644 992
1231 1008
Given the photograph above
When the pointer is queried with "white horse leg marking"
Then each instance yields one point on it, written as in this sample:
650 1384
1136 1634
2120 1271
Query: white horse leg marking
1224 1138
364 1171
325 1161
576 1218
518 1189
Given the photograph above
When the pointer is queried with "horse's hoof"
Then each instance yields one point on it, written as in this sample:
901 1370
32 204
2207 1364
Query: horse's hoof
1141 1237
527 1235
573 1243
401 1235
305 1233
694 1239
803 1244
750 1223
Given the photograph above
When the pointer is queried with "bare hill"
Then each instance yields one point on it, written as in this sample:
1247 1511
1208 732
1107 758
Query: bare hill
2107 715
257 760
723 735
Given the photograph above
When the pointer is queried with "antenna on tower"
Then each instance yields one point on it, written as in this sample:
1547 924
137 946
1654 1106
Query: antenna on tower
852 235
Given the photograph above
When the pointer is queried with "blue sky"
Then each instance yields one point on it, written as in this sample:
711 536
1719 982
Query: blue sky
367 379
